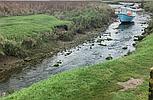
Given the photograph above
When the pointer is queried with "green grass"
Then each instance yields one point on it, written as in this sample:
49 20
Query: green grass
18 27
14 30
28 33
97 82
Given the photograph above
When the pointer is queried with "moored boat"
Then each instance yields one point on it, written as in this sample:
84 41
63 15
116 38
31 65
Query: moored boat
136 8
126 4
126 14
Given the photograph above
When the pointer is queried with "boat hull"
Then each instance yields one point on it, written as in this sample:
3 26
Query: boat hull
125 18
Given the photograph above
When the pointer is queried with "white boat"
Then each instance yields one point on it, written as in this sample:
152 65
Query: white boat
136 8
126 4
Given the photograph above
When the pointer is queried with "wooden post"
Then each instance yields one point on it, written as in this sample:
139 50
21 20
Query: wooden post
151 85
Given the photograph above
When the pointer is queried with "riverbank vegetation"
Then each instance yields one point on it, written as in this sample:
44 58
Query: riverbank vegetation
26 7
148 6
97 81
26 32
29 36
21 32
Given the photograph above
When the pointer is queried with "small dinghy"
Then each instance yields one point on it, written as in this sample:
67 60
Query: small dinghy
126 14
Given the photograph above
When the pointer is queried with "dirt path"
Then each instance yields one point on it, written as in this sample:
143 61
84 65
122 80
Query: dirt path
130 84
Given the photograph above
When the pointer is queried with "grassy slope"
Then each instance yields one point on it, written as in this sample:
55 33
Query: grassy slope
97 82
17 27
39 28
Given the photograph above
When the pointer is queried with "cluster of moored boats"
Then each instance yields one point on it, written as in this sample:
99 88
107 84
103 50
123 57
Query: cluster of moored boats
128 11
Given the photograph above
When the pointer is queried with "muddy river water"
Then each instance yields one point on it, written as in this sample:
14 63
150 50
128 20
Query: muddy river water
116 41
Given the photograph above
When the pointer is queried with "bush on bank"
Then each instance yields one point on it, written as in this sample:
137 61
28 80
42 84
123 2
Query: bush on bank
1 45
93 16
148 6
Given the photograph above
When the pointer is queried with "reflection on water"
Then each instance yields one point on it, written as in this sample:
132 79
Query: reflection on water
124 26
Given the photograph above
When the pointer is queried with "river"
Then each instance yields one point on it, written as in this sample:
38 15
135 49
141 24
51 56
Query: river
116 41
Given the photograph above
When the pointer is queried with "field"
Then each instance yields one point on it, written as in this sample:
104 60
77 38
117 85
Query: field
19 27
17 32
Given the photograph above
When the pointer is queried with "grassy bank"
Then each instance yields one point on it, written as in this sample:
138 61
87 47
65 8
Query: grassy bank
97 81
26 33
33 37
19 27
20 32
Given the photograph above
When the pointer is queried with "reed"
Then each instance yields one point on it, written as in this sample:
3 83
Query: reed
9 8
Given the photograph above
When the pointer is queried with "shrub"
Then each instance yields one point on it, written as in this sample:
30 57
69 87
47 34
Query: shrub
11 48
150 27
148 6
29 42
1 39
93 16
1 45
65 35
49 36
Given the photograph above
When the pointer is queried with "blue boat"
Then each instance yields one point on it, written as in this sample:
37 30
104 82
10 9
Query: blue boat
124 18
126 14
